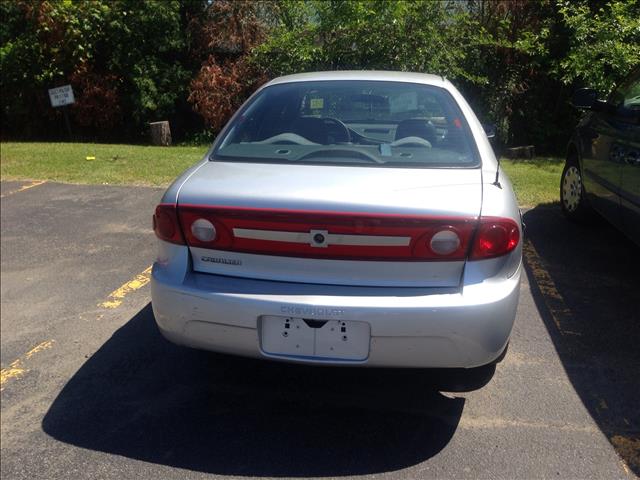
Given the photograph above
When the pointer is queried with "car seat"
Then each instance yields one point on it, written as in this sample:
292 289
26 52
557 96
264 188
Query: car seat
416 127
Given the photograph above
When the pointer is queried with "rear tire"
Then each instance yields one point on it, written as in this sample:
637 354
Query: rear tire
460 380
573 199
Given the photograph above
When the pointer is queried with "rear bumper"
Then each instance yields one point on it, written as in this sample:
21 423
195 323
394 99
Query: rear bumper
410 327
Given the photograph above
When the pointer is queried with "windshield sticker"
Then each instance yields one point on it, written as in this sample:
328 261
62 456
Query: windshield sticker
317 103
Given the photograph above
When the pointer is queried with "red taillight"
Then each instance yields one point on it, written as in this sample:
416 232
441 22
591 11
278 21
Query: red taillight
495 237
165 224
257 231
349 236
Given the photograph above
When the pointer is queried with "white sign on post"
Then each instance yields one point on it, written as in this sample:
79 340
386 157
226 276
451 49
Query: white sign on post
61 96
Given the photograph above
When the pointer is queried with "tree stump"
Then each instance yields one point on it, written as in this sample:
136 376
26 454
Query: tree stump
160 133
528 151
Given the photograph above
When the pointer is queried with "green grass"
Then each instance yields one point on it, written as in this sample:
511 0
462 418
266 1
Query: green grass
535 181
113 164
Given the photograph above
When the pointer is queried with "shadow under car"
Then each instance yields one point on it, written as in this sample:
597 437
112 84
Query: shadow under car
141 397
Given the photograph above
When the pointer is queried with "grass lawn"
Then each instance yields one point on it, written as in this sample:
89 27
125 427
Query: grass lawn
113 164
535 181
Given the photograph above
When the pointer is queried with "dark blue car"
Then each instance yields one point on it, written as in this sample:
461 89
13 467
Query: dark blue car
602 170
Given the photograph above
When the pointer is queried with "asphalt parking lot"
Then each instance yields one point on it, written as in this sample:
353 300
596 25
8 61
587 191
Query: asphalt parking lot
91 390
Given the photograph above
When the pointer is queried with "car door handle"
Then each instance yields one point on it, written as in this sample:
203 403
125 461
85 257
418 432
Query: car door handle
633 158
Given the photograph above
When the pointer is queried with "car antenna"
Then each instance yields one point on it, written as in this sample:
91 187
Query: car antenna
496 182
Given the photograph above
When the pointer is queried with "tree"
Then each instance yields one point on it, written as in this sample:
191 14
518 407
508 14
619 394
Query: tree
489 49
604 42
195 61
517 61
508 52
399 35
225 34
41 44
124 58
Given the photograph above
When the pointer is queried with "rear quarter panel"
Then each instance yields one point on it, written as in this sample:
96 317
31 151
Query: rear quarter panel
497 201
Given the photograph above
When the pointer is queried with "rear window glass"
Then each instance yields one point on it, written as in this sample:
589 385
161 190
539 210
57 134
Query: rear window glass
348 122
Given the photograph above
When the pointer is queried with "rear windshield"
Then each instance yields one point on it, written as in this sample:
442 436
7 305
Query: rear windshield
348 122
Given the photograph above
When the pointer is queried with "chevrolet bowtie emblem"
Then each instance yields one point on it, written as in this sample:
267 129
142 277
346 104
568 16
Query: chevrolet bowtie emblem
319 238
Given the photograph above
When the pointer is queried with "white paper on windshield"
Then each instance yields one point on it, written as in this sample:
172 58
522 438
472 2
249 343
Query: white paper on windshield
405 102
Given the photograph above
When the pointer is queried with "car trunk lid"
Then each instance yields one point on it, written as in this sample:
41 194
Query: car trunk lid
343 225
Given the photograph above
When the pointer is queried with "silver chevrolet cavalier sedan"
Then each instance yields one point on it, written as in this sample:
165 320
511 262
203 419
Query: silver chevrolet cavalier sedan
343 218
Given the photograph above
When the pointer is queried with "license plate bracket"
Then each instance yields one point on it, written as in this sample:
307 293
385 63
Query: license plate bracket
315 338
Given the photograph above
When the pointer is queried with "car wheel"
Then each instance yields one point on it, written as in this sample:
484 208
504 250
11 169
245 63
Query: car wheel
572 196
460 380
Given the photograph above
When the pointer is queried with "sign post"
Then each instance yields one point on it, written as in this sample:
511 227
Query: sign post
62 97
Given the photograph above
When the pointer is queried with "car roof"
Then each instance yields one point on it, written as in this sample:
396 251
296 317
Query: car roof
375 75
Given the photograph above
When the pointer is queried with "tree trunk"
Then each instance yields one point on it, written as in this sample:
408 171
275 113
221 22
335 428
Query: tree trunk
160 133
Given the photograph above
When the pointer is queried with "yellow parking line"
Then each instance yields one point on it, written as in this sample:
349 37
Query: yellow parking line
16 369
552 298
24 187
116 297
38 348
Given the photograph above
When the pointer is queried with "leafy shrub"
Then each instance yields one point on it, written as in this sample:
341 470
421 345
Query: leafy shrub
194 62
227 33
98 102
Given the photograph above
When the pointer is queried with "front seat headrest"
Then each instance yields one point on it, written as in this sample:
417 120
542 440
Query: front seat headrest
416 127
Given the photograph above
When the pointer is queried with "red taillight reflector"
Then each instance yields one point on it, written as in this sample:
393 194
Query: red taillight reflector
430 237
165 224
495 237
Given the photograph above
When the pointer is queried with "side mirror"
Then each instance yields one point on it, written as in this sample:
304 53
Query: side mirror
584 98
489 130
